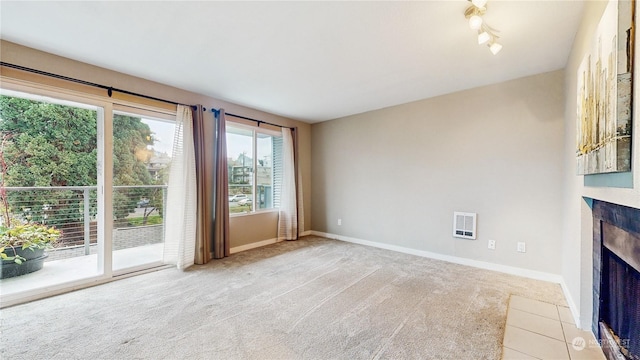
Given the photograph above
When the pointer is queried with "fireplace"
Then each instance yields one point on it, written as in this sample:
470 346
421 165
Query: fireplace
616 279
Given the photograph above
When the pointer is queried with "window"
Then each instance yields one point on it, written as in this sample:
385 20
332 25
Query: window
255 168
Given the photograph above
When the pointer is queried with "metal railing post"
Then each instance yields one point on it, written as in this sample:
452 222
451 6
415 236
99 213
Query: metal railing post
164 211
87 222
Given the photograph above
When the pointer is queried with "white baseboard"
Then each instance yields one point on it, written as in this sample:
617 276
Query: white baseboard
572 306
305 233
254 245
532 274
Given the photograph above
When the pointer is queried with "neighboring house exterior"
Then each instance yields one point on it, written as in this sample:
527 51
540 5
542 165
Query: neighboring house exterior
156 165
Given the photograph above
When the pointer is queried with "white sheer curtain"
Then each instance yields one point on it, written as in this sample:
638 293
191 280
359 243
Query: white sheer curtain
288 219
180 230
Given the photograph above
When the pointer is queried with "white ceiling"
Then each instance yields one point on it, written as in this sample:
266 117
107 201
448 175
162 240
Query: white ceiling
312 61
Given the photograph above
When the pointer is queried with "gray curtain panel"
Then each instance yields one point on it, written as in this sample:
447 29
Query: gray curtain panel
298 180
204 174
221 190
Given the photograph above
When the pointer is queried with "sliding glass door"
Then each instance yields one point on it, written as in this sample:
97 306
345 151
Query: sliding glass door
141 161
73 166
48 182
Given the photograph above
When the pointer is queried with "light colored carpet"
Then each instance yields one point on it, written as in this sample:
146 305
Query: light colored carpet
310 299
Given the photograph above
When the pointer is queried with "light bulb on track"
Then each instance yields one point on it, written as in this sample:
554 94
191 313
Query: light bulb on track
479 3
475 22
495 48
483 37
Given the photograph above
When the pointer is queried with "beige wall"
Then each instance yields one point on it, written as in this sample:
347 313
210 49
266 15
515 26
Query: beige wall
577 242
244 229
395 176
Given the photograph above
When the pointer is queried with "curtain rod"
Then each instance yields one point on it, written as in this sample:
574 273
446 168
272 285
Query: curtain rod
250 119
111 89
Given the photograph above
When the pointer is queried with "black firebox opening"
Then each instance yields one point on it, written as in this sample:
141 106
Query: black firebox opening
620 303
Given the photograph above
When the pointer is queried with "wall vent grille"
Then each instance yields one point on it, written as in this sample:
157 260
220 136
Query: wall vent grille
464 225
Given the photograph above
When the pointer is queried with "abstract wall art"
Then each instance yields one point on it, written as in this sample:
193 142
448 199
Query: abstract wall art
605 96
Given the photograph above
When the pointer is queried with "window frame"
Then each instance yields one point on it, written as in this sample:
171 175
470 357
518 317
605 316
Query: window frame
254 131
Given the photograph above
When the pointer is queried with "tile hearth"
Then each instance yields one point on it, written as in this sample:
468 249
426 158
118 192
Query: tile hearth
539 330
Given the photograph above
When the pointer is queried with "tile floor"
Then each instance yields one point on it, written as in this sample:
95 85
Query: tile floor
539 330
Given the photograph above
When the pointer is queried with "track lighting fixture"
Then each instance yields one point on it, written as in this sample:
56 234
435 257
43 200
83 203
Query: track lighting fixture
486 34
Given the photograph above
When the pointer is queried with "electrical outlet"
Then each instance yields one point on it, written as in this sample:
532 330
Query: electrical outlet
492 244
521 247
339 222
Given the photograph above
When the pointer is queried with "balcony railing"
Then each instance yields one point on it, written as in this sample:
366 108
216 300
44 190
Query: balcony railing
73 209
